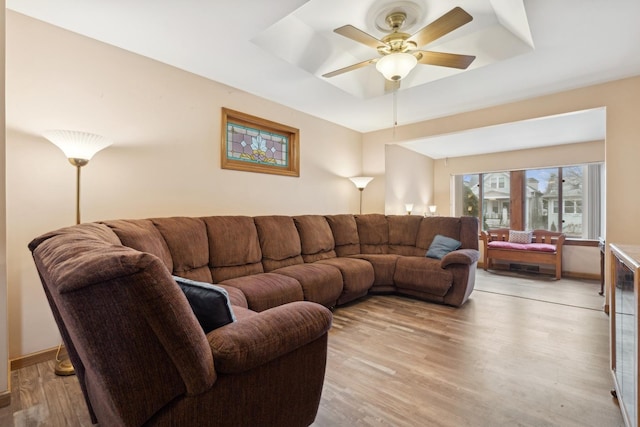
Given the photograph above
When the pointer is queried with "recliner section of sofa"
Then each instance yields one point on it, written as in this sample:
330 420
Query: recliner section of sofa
139 354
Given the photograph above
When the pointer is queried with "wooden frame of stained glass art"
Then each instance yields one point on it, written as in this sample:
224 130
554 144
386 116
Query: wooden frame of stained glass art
252 144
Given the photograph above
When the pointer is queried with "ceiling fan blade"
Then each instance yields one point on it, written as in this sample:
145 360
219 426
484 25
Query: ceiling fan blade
448 22
351 32
442 59
351 67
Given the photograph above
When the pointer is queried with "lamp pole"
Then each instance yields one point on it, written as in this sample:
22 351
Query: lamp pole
78 147
78 163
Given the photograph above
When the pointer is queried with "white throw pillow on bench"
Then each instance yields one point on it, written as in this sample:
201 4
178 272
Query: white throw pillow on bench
520 236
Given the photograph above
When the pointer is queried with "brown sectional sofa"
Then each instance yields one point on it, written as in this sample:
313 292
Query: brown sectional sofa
331 259
142 358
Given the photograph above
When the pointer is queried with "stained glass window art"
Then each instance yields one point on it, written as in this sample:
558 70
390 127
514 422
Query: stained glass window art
257 146
254 144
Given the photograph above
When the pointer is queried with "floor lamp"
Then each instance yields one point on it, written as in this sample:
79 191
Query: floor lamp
79 147
361 182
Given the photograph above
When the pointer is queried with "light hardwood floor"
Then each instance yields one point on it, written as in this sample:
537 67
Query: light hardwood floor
512 356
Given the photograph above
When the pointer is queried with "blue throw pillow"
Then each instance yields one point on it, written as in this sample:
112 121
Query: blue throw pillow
209 303
441 246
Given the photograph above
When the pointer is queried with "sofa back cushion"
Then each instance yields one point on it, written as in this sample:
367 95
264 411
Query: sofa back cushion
469 232
187 241
373 230
234 248
279 241
431 226
142 235
403 230
345 234
316 238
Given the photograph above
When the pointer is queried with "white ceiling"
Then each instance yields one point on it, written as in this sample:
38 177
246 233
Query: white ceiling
550 46
305 38
568 128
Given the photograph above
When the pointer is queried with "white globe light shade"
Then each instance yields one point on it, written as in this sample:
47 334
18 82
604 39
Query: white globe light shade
396 66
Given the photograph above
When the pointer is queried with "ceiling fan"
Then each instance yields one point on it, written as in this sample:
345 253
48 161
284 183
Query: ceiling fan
400 53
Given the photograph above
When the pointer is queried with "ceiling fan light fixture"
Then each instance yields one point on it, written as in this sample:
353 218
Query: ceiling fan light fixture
396 66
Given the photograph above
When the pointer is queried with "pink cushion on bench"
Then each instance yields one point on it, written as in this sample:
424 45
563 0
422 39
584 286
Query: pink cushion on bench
499 244
540 247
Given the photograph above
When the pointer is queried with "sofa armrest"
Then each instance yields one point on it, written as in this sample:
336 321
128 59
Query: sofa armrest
256 340
461 256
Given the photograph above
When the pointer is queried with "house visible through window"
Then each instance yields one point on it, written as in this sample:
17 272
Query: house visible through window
567 199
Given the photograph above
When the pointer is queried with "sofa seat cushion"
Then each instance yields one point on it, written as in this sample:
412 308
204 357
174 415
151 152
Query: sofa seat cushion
357 277
267 290
236 296
384 267
320 283
242 312
540 247
422 274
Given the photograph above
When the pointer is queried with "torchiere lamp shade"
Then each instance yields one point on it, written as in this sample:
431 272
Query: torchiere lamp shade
76 144
361 182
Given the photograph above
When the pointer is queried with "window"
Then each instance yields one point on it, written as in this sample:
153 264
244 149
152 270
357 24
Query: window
569 206
470 193
567 199
496 181
573 182
495 200
541 207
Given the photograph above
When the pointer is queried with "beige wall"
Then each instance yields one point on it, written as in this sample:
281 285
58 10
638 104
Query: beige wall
165 159
408 179
4 329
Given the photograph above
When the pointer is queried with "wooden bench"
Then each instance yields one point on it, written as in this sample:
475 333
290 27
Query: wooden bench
545 248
